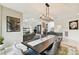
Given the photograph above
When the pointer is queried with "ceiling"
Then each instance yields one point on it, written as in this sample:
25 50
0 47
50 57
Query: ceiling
35 10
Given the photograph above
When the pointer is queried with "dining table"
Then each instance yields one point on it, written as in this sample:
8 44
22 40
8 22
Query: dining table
41 45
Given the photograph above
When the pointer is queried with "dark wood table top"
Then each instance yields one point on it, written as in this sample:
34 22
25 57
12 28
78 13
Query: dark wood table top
41 46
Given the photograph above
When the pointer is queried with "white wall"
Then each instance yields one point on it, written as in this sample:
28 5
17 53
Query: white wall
72 34
11 37
0 21
68 12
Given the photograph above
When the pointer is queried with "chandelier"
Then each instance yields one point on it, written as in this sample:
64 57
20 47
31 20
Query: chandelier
46 17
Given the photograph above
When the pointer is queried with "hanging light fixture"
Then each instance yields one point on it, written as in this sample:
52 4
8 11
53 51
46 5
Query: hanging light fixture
46 17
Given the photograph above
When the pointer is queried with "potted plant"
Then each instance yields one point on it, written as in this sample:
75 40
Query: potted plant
1 42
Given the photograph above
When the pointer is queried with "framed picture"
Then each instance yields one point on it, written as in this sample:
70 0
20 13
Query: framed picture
13 24
73 25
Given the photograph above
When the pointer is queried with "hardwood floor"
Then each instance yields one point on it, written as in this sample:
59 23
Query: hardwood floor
71 43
